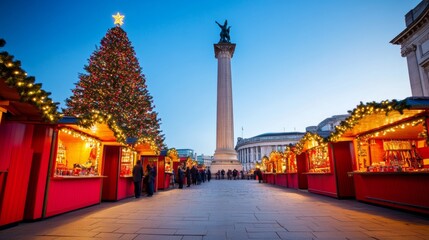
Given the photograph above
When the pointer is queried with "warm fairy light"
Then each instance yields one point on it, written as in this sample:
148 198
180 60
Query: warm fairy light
363 110
29 92
308 141
385 131
127 110
119 19
86 138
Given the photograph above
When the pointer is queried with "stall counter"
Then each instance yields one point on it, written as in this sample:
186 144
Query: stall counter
402 190
67 193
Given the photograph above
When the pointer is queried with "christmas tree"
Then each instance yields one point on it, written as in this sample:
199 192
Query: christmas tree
114 90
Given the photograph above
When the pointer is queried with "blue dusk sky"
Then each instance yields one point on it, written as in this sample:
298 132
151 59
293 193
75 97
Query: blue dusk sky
296 62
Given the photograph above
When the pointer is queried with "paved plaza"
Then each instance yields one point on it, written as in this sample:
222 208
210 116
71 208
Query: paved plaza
228 209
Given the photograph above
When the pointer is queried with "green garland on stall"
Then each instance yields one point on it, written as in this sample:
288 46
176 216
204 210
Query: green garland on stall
299 147
95 116
29 91
363 110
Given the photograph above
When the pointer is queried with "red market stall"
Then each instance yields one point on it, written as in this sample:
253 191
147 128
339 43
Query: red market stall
172 161
328 164
118 166
267 169
391 152
278 167
26 112
77 165
294 169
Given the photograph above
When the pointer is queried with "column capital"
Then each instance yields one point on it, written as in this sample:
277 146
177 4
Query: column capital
408 50
224 48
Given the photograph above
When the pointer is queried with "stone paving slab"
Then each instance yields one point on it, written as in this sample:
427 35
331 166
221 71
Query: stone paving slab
228 209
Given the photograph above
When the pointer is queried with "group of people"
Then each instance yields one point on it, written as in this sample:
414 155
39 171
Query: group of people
144 178
185 174
231 174
193 175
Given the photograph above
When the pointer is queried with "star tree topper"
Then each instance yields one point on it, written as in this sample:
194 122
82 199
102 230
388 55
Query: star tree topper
119 19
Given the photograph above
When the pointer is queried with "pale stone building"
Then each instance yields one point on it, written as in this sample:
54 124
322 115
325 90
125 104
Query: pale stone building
414 41
252 150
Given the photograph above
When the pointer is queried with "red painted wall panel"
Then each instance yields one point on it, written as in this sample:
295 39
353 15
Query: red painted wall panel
301 168
111 170
406 191
161 172
292 180
19 156
322 184
343 153
68 194
281 179
42 140
125 187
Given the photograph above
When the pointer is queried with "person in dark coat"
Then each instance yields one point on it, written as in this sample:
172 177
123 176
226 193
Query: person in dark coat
258 173
137 178
188 177
234 174
180 176
154 173
150 180
194 173
209 175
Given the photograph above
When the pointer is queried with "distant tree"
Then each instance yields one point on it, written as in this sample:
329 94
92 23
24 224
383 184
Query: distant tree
114 89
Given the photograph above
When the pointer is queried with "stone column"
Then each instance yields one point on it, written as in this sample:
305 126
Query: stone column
225 156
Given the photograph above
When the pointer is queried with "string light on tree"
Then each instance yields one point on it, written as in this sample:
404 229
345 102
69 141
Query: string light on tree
114 90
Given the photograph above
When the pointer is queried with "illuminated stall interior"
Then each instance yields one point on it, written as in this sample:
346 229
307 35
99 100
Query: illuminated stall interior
77 154
80 150
128 160
170 159
277 162
390 142
266 166
317 151
290 161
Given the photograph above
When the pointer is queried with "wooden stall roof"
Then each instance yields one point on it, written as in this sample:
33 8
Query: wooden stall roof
380 120
17 110
99 131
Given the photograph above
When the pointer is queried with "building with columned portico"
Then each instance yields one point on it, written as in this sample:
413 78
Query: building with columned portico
252 150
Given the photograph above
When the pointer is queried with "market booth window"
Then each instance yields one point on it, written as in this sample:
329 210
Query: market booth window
318 159
399 148
290 158
128 159
77 154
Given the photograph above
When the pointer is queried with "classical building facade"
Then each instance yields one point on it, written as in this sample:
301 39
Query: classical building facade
414 41
252 150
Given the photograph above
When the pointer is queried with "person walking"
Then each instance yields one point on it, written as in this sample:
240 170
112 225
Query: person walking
258 173
137 178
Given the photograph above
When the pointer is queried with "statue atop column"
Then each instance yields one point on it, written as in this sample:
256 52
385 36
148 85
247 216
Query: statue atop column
224 34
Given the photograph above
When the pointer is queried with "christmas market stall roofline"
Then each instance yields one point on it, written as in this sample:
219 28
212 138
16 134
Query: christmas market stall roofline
384 116
24 99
